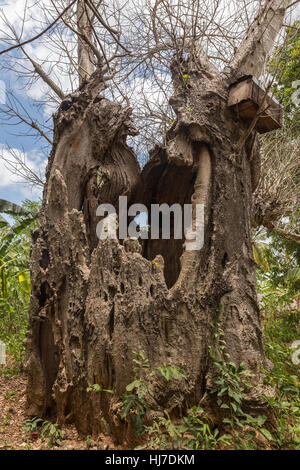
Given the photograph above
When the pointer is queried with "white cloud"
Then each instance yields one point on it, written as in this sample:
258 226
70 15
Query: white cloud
2 92
46 50
13 10
9 180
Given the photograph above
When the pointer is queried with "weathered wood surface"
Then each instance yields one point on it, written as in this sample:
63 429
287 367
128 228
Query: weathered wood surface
247 98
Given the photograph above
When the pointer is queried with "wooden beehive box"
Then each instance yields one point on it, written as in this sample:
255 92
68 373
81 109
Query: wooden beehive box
245 98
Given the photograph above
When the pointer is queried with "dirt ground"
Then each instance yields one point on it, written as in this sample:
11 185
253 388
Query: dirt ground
12 423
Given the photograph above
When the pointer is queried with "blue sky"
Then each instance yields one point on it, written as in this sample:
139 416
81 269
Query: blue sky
11 187
35 151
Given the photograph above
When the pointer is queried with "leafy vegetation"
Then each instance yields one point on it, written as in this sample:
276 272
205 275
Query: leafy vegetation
280 169
137 398
193 432
32 425
14 276
239 430
278 284
285 66
36 427
279 288
53 433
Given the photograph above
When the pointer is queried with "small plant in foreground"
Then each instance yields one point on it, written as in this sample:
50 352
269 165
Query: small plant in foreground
9 395
88 441
31 425
53 433
98 388
230 385
139 391
193 432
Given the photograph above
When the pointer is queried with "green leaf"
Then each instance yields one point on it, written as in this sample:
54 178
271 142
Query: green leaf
227 421
12 209
3 221
128 404
97 388
136 423
292 274
133 385
267 434
234 407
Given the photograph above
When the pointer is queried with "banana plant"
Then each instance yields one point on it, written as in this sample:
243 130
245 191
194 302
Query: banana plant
260 248
3 221
9 234
11 208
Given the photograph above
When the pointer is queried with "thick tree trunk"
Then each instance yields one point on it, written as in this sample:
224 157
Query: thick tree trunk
85 55
94 302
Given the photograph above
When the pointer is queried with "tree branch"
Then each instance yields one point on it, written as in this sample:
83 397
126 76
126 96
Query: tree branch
290 235
252 54
38 69
18 167
21 44
85 39
293 4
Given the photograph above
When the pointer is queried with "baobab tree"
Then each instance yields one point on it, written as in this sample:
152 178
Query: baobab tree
94 302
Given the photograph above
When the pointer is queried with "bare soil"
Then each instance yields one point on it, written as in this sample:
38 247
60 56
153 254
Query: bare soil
12 422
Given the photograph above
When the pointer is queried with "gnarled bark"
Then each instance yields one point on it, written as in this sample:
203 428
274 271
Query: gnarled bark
95 301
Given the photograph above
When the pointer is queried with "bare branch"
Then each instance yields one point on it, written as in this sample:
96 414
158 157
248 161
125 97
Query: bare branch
44 76
252 54
85 59
290 235
293 4
18 166
21 44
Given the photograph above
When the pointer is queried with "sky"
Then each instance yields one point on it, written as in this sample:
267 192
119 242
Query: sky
33 151
12 187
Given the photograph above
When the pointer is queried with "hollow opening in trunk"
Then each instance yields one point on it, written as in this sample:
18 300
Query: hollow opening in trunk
175 186
172 182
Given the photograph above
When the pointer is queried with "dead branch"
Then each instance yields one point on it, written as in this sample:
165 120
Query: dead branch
252 54
41 33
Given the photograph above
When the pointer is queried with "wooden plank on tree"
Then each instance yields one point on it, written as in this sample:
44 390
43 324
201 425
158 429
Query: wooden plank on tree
245 98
